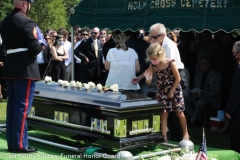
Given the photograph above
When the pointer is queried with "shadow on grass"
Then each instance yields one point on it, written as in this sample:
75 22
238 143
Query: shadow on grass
213 139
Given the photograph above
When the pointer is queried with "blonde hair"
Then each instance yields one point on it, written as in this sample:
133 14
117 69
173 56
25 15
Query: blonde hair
120 40
155 49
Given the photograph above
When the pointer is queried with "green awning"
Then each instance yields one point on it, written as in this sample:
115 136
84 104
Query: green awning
187 15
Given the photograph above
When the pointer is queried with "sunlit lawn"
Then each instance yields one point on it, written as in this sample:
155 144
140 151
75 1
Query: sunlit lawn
3 105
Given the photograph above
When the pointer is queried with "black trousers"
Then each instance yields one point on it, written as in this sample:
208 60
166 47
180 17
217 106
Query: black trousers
42 69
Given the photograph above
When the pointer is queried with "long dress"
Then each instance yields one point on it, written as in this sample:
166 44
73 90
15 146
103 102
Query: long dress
165 80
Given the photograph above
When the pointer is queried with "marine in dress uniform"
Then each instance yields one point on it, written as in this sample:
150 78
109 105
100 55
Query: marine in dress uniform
19 35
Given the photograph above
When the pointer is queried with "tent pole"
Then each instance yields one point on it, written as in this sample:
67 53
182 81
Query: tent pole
72 53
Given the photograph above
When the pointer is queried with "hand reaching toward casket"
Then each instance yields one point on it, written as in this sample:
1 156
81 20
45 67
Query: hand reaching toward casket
136 80
148 75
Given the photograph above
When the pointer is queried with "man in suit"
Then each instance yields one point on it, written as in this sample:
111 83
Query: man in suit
208 82
89 51
232 110
157 34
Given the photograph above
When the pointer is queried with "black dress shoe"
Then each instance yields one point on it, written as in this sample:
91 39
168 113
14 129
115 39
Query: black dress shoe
25 150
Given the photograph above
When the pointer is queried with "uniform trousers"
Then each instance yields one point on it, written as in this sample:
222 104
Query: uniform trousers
20 97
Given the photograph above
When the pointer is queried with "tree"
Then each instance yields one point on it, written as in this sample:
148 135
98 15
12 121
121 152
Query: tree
49 14
46 13
70 4
6 6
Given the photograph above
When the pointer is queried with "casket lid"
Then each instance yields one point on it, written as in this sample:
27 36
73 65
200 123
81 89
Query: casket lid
120 99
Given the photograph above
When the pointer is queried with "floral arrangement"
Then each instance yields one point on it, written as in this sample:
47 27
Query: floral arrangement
91 85
187 156
48 79
183 155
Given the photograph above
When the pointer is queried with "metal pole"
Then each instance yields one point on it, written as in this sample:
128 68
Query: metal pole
75 149
72 53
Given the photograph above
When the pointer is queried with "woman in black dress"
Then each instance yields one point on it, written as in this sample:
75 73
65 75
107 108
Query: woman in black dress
59 55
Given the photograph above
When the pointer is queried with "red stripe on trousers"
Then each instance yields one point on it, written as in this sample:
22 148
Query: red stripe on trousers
25 113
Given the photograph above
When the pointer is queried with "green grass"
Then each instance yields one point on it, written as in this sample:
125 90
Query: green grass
3 105
215 140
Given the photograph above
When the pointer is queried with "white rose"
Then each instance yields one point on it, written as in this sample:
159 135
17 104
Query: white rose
60 82
73 84
114 87
99 87
86 86
48 79
65 83
91 84
78 84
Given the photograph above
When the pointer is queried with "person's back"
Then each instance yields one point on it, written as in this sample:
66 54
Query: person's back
122 68
122 63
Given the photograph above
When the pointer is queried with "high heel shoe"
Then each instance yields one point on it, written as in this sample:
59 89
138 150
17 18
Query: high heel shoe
186 137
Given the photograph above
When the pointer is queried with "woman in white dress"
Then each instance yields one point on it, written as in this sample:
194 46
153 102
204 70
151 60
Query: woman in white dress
122 63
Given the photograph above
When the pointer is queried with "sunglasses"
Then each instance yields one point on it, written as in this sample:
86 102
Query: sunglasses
84 34
46 38
155 37
94 33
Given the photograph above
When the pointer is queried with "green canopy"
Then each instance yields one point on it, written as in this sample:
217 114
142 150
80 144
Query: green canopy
187 15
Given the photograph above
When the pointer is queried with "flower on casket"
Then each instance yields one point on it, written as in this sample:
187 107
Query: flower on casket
91 85
65 83
78 84
73 84
48 79
99 87
60 82
86 86
114 87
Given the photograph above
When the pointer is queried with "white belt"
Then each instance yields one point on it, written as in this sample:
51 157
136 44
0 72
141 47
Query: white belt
10 51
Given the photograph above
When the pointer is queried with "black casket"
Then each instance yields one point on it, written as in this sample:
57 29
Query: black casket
119 120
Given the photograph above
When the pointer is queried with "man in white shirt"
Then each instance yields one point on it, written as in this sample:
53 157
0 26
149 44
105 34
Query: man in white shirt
68 46
157 34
